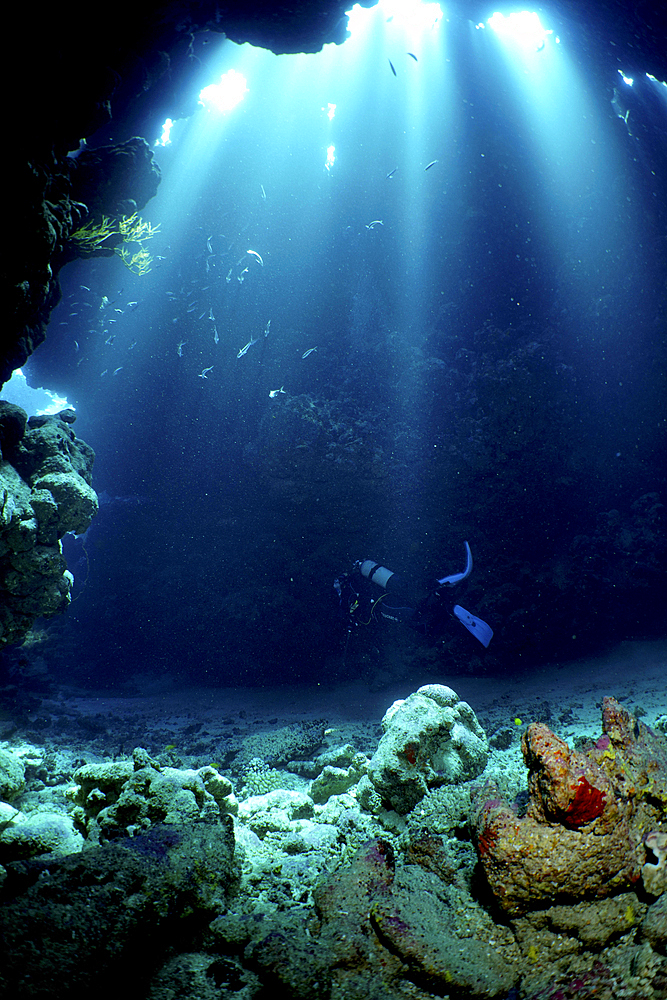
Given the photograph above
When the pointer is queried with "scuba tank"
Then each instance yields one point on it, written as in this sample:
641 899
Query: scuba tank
384 577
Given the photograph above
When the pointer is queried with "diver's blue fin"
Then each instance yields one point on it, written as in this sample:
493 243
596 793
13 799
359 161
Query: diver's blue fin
449 581
475 625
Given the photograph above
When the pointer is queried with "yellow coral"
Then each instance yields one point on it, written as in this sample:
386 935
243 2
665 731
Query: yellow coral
139 262
131 228
91 236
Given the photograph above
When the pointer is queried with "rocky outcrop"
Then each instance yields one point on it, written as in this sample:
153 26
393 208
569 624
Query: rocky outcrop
431 738
583 834
101 911
45 491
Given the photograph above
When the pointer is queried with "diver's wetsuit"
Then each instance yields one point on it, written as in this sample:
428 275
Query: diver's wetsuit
361 599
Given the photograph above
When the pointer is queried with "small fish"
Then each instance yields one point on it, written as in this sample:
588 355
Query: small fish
104 372
263 192
208 245
110 339
76 345
119 311
179 349
74 314
244 350
204 373
132 305
229 276
85 288
267 329
392 66
429 165
116 370
192 309
202 315
255 254
309 351
240 276
104 303
216 338
210 315
374 223
391 173
413 56
276 392
132 345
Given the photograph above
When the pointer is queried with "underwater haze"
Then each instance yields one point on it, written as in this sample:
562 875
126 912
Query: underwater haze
402 295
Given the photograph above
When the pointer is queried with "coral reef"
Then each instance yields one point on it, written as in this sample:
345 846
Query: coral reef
45 491
582 836
329 893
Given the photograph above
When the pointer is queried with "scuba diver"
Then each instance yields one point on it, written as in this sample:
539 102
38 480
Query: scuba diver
395 604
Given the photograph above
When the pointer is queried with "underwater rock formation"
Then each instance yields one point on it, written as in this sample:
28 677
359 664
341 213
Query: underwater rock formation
302 888
45 491
431 738
114 180
101 912
583 833
383 921
126 797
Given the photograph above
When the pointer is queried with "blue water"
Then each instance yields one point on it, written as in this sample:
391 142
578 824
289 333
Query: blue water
489 367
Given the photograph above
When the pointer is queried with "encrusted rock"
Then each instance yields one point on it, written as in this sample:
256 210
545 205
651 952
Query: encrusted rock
594 925
12 775
431 738
45 491
104 910
388 927
13 422
582 835
40 834
415 923
126 797
654 925
336 780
